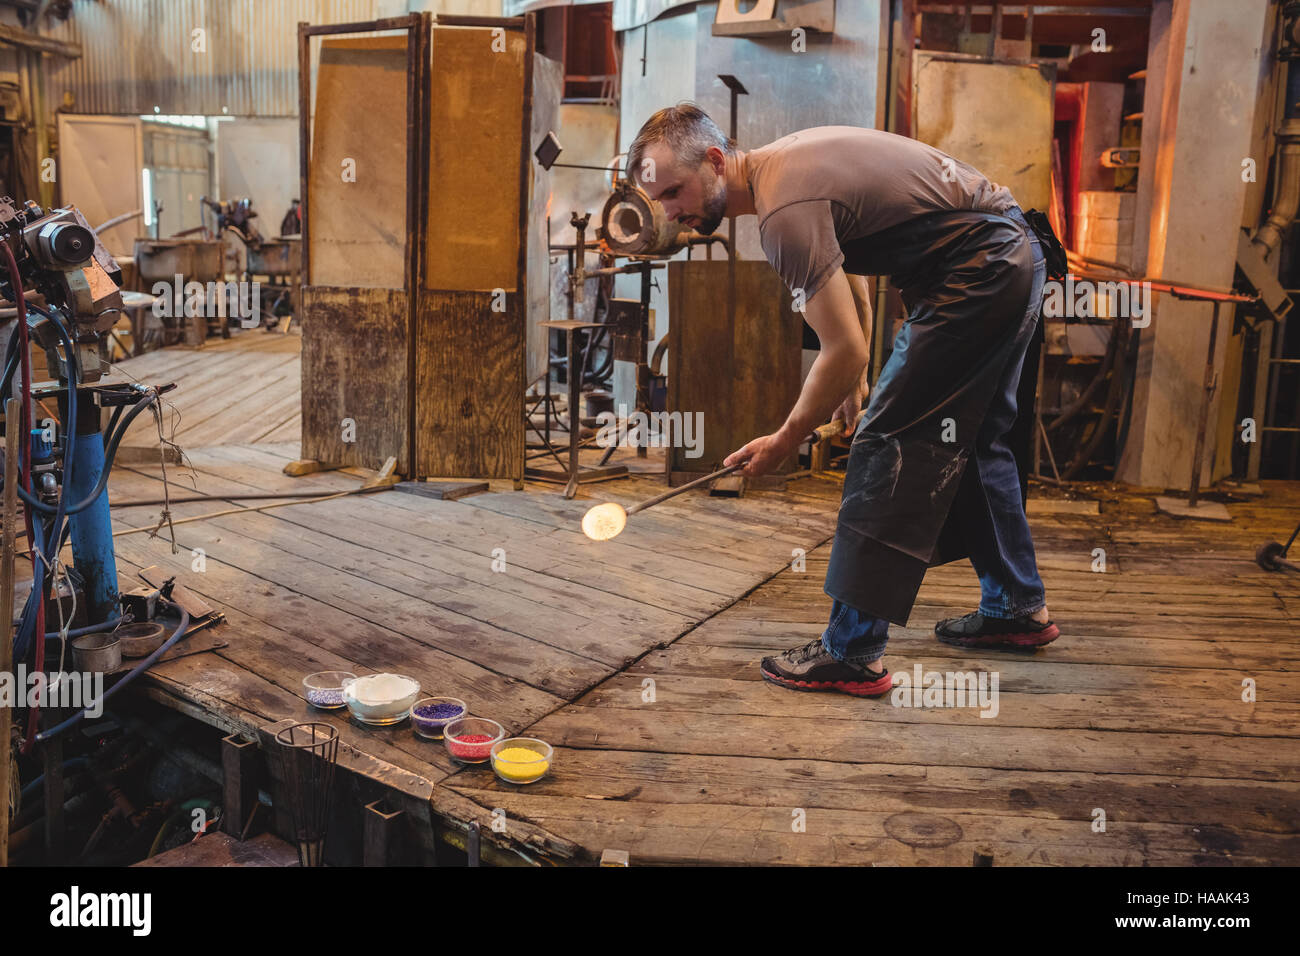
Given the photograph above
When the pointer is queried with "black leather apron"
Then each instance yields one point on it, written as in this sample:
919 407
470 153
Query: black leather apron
966 278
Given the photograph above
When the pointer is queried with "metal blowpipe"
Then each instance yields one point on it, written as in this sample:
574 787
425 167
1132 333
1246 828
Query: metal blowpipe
607 520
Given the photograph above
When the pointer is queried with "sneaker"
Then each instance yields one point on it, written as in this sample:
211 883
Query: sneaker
811 667
976 630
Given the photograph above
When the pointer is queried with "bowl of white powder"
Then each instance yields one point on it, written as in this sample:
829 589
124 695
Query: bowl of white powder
381 699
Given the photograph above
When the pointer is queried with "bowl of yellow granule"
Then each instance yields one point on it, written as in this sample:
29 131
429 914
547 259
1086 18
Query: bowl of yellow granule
522 759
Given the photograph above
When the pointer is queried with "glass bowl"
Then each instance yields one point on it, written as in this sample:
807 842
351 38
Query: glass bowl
377 712
431 726
472 751
325 688
522 759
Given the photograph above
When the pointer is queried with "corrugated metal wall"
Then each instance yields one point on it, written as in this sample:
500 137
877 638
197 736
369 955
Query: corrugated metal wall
137 54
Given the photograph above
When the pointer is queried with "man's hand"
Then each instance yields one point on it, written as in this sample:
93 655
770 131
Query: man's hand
763 453
849 408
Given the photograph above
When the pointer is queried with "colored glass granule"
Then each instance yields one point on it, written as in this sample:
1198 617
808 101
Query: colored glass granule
520 763
325 698
438 711
471 746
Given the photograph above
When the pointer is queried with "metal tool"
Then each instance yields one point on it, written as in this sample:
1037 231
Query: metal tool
1272 556
607 520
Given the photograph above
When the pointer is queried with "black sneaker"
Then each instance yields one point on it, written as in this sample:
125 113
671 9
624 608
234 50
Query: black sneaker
976 630
811 667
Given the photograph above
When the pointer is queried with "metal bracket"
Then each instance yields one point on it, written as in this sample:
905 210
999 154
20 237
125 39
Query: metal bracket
239 783
381 837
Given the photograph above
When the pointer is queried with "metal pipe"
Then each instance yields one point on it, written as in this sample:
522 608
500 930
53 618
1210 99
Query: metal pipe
92 528
118 220
674 492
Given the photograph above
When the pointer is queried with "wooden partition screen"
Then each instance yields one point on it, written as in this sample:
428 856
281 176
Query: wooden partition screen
417 172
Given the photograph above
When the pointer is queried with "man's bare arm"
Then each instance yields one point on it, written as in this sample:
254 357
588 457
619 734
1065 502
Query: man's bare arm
834 315
862 299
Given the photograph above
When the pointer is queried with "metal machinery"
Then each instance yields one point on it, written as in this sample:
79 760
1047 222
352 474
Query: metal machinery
276 260
62 467
632 227
162 260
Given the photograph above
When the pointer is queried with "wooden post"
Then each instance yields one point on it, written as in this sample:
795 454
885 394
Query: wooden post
10 519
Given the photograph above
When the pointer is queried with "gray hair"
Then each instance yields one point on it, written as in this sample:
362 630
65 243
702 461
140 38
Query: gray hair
688 131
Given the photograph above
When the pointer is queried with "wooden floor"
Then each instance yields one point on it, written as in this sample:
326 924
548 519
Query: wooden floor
1136 712
243 389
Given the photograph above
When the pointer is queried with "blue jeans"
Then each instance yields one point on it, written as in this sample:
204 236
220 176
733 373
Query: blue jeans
1001 547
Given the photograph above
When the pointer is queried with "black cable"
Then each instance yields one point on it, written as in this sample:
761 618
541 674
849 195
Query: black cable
49 539
132 675
109 454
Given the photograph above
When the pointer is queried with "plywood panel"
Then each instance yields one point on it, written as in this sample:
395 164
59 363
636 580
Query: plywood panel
354 366
100 158
474 153
469 413
358 229
743 380
961 109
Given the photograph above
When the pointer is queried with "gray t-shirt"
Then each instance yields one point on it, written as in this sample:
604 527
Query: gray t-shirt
819 190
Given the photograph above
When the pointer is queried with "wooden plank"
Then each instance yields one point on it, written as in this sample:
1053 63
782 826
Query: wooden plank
439 543
1062 711
609 778
769 631
282 655
221 849
443 490
1040 675
667 834
469 382
989 743
354 369
717 569
510 654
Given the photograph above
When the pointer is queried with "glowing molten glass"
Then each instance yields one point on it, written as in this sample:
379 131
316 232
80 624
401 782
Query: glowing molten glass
604 521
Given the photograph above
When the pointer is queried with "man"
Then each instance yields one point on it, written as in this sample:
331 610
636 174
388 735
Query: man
932 476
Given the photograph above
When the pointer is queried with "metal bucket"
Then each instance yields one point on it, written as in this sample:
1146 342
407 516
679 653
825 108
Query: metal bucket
97 653
277 257
140 640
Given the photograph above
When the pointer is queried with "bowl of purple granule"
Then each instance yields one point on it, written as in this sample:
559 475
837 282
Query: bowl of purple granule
325 688
431 714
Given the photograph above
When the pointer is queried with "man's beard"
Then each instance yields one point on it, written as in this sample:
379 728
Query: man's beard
715 208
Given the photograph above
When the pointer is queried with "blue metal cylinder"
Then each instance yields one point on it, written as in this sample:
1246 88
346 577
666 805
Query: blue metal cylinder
92 530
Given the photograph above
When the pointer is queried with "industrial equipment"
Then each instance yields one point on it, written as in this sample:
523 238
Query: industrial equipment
63 465
275 259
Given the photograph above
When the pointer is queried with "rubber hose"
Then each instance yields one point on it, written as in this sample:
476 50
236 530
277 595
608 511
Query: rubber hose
132 675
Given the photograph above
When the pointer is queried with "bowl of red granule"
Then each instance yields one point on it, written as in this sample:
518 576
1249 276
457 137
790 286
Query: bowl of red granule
430 715
470 739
